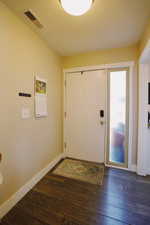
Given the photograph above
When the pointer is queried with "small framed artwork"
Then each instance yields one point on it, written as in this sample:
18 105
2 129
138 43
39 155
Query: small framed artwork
40 86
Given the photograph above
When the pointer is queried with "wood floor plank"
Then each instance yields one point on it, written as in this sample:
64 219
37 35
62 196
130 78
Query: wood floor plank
19 217
104 209
100 196
123 199
69 213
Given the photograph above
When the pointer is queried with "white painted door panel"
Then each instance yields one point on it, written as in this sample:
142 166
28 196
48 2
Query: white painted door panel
85 97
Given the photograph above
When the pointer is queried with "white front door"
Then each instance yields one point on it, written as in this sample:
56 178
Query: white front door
85 125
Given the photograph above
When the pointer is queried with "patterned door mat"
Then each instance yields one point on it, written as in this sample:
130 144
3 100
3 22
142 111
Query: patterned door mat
81 170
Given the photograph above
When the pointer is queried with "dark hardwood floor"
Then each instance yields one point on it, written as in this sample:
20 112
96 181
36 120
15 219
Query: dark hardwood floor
124 198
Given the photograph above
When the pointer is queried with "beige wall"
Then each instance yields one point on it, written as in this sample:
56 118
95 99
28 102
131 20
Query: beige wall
145 38
101 57
26 145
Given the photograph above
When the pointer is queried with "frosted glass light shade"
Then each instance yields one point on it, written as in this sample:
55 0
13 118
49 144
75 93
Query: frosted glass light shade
76 7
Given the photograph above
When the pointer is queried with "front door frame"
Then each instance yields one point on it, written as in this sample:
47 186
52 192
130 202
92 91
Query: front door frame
143 168
108 162
132 72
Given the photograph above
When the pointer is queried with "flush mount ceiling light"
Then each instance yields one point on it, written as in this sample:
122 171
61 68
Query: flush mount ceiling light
76 7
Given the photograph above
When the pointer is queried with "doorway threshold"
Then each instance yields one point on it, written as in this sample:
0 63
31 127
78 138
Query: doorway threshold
119 167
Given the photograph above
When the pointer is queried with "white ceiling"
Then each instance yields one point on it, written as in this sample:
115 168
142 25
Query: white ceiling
109 24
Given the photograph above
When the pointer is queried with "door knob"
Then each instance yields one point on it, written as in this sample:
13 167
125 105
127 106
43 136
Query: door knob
101 122
101 113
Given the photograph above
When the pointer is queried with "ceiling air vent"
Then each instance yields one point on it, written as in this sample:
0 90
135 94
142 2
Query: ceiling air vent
33 19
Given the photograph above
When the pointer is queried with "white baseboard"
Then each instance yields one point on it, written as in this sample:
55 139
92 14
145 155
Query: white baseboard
16 197
133 168
143 172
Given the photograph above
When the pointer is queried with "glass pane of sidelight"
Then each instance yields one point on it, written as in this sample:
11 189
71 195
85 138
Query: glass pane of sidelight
117 126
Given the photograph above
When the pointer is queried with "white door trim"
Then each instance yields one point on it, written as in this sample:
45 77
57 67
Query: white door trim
142 167
131 65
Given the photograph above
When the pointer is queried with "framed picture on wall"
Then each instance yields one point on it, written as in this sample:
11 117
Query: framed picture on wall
40 86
